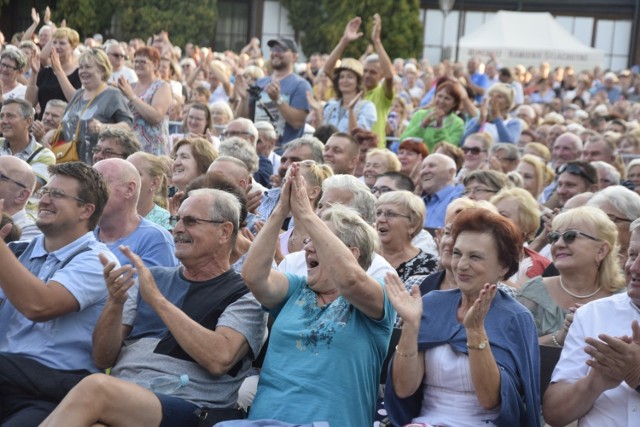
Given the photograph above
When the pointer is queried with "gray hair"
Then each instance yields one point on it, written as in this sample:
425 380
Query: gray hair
363 201
316 146
409 202
611 172
372 58
353 231
240 149
236 161
126 139
512 150
26 109
56 103
621 198
248 125
224 207
267 128
577 142
16 55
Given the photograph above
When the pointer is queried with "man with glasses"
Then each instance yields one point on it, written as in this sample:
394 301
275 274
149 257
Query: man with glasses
598 383
567 147
245 129
17 182
197 319
51 297
120 223
115 143
283 96
16 118
117 57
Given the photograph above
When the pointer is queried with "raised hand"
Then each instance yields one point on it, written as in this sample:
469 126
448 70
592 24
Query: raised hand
407 305
300 204
148 289
125 88
377 29
34 63
355 100
314 104
35 16
474 319
352 30
55 62
47 16
118 280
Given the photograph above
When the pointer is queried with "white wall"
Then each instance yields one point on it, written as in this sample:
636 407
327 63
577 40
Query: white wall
275 24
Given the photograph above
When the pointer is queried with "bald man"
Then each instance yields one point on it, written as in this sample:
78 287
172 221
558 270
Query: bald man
17 182
437 177
237 171
120 223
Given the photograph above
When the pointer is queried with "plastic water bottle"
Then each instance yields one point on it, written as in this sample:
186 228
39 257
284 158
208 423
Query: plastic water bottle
168 384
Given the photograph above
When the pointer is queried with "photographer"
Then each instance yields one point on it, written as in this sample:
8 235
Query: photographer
282 99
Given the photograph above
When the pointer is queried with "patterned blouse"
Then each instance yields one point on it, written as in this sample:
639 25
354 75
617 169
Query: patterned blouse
423 263
154 138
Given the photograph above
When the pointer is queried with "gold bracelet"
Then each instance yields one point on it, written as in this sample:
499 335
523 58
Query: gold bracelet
401 354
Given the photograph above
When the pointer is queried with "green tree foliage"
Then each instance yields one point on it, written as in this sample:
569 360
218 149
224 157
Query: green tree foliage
319 24
124 19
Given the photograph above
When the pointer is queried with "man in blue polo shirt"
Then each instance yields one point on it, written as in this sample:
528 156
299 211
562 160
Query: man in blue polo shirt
437 177
51 297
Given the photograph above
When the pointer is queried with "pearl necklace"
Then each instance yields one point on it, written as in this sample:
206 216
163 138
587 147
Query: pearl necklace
576 295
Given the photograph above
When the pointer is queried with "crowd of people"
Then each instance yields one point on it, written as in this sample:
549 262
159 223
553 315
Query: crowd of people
199 238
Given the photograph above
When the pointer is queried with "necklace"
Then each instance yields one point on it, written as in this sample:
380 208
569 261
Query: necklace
575 295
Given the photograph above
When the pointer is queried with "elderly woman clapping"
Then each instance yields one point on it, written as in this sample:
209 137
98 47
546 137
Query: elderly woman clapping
331 329
467 356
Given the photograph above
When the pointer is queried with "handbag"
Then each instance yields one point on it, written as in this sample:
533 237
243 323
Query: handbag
68 151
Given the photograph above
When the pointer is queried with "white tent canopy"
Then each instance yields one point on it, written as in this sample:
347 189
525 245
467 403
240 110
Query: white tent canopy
528 38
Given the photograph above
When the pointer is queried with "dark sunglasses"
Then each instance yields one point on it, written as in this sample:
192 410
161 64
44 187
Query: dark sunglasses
574 169
473 150
568 236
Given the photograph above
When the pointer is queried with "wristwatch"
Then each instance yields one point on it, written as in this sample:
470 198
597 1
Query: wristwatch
481 346
280 101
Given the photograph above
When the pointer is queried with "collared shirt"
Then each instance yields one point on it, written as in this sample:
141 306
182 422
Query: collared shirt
40 163
268 203
612 316
63 342
27 224
437 204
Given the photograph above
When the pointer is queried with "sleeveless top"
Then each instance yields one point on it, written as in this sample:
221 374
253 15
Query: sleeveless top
153 138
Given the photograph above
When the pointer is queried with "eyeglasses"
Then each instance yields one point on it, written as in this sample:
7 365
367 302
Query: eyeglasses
8 67
568 236
574 169
468 191
278 49
190 221
390 215
4 177
382 189
107 152
473 150
232 133
613 218
140 61
117 55
56 194
306 241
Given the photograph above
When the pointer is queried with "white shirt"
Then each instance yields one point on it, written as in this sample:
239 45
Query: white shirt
125 71
295 263
612 316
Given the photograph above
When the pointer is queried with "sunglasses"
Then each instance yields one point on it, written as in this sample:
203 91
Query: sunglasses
574 169
473 150
568 236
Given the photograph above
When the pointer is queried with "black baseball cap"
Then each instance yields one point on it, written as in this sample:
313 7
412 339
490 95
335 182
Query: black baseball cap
285 43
